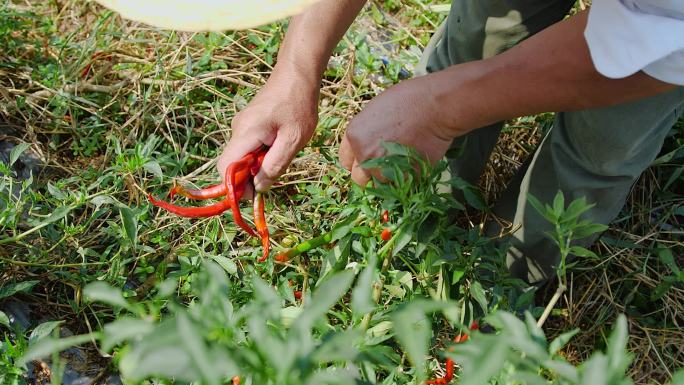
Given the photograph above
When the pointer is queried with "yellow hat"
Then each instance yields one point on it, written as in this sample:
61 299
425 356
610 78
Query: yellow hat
206 15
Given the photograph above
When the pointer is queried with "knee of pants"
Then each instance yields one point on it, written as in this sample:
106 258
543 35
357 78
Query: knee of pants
605 151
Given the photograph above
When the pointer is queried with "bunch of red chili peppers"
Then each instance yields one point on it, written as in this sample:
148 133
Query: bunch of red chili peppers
238 174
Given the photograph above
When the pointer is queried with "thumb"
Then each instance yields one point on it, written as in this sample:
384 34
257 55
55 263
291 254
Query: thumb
278 158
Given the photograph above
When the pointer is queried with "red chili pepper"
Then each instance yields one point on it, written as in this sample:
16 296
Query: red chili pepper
386 234
231 184
449 375
385 216
298 294
192 212
219 190
260 222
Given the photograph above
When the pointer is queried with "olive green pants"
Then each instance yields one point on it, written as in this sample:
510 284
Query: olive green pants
596 153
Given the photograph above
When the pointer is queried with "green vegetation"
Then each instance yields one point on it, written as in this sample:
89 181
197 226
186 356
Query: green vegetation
112 110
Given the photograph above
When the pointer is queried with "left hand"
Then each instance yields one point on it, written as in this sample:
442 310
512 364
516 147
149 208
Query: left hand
406 113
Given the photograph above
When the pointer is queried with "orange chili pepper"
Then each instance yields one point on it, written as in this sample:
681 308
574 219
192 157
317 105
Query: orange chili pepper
235 380
260 222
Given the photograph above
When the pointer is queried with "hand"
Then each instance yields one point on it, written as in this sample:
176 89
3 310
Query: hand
283 116
406 113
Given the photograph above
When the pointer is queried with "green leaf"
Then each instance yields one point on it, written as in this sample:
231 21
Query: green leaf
43 330
125 329
403 238
343 228
226 263
48 345
154 168
338 347
558 204
665 255
477 292
481 359
4 319
16 152
413 330
575 209
57 214
559 342
129 219
586 229
362 301
543 211
101 292
14 288
197 349
582 252
324 297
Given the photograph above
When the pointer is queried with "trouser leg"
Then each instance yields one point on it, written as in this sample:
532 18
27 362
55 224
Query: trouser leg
597 154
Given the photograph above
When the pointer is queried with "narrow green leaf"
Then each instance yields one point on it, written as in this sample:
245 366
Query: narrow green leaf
226 263
325 296
16 152
4 319
536 203
582 252
129 218
558 204
48 345
18 287
559 342
43 330
362 301
477 292
154 168
413 330
101 292
125 329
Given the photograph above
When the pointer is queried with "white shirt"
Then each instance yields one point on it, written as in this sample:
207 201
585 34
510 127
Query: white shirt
627 36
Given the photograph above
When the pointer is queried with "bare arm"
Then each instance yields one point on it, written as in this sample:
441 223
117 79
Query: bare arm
285 112
551 71
313 35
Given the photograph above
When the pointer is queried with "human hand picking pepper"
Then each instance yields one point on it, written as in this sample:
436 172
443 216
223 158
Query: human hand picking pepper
238 174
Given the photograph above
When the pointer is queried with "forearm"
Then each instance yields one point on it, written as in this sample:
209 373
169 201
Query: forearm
551 71
312 36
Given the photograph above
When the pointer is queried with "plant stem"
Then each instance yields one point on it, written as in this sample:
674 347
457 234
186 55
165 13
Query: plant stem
556 296
305 247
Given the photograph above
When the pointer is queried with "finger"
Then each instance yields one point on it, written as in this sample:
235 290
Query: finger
235 150
359 175
346 154
278 157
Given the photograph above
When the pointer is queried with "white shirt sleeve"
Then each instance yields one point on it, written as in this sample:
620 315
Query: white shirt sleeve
627 36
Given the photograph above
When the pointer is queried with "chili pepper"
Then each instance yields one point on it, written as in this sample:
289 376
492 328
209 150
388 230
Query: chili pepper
449 375
298 294
232 194
192 212
235 380
386 234
260 222
219 190
385 216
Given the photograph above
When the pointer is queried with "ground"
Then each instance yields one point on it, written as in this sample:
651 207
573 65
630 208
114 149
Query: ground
106 110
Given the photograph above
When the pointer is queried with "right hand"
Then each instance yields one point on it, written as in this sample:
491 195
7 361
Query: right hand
282 116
